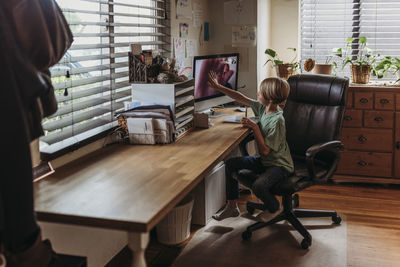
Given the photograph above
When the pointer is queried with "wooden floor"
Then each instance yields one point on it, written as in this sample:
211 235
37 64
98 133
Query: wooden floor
373 220
373 224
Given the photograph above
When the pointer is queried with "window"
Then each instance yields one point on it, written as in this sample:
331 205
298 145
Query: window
91 81
326 24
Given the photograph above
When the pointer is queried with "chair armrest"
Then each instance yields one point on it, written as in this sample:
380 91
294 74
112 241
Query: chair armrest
331 146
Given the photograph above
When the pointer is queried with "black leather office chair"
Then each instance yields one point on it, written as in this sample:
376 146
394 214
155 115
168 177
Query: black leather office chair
313 113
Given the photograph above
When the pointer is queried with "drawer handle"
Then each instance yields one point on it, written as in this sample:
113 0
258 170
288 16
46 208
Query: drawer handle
348 118
364 100
384 101
398 145
362 163
378 119
362 138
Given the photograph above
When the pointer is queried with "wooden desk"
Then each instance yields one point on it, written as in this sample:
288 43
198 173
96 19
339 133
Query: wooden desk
131 188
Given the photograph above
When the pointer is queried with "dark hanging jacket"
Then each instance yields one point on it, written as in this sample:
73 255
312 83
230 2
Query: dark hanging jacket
37 37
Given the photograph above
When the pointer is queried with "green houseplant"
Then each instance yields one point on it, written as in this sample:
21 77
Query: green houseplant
283 69
386 65
361 62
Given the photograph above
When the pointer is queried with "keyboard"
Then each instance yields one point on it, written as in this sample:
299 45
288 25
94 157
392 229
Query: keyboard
233 119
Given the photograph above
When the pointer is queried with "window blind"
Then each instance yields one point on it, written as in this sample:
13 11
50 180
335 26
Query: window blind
91 81
326 24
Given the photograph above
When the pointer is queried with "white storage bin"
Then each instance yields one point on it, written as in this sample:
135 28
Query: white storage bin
175 227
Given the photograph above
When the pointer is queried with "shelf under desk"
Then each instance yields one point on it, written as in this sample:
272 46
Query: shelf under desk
131 188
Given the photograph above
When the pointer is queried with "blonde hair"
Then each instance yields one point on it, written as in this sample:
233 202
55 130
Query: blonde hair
275 90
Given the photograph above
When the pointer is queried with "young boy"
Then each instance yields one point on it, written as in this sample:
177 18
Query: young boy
275 162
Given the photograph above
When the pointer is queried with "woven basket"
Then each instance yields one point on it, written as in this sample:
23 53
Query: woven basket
137 70
360 74
283 72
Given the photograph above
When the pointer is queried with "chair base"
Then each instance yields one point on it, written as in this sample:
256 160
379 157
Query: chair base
291 215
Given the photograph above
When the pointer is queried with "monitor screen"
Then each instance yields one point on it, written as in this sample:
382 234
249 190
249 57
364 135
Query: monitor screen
226 68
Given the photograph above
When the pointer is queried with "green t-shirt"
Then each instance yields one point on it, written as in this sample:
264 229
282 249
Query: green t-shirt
273 129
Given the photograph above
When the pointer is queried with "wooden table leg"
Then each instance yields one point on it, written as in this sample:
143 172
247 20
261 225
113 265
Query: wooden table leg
138 242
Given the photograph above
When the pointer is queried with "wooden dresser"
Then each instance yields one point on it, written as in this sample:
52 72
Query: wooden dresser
371 136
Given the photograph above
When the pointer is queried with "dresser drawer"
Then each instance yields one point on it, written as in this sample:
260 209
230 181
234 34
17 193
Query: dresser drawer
384 101
363 100
352 118
349 101
365 163
367 139
378 119
397 101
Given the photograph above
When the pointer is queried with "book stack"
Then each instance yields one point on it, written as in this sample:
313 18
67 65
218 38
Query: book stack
149 124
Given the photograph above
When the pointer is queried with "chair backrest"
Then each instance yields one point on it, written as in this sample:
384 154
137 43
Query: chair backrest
314 110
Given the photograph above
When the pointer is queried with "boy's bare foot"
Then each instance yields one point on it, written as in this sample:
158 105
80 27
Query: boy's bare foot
227 212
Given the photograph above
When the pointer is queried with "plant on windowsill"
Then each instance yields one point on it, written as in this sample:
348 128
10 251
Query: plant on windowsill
361 63
283 70
386 65
324 68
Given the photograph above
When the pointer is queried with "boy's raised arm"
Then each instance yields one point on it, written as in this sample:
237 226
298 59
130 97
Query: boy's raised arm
239 97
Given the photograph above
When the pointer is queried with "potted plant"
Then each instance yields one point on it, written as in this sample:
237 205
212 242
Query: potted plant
283 70
318 68
383 67
396 67
386 65
361 62
323 68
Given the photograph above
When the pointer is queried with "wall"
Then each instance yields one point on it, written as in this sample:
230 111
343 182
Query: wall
284 28
263 38
277 28
203 48
221 40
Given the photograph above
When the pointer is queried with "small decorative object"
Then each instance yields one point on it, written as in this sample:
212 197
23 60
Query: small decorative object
181 78
136 49
165 66
283 70
137 70
150 67
166 77
309 64
172 65
153 71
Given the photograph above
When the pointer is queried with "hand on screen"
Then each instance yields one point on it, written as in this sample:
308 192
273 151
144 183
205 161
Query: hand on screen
212 80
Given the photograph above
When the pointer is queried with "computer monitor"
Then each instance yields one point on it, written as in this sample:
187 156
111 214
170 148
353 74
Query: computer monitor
226 68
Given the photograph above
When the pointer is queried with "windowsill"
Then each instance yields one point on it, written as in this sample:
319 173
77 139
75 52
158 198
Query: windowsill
77 153
75 147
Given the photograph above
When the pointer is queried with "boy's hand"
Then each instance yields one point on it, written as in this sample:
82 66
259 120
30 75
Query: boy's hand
246 122
213 81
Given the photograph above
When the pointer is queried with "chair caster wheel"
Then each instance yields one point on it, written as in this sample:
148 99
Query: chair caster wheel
296 201
246 235
305 243
336 219
250 209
